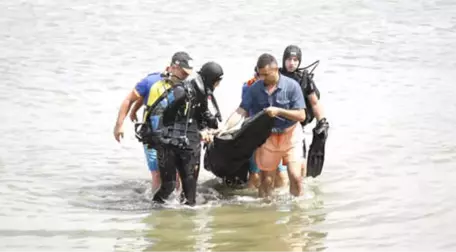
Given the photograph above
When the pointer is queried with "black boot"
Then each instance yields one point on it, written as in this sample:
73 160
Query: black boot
165 190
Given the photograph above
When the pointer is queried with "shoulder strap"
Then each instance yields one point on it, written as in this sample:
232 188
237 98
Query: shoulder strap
152 107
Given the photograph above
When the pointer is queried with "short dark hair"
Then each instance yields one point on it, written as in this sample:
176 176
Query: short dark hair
264 60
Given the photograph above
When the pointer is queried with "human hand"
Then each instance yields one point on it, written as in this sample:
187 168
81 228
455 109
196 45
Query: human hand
272 111
322 128
133 117
118 132
207 136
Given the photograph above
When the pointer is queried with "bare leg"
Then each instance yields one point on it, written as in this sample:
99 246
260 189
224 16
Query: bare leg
267 183
156 181
178 182
294 174
280 179
254 180
304 168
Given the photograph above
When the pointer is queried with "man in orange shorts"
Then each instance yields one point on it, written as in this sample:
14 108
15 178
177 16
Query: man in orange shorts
281 97
254 172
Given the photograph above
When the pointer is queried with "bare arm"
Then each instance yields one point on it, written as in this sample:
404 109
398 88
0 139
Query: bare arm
292 114
138 104
126 105
296 111
123 111
234 119
317 108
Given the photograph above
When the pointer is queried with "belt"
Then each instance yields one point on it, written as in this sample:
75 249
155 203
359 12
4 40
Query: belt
277 131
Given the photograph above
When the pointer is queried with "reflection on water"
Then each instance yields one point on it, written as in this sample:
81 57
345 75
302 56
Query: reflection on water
236 227
226 219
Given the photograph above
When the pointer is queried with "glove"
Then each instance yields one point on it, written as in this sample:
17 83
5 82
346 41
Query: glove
322 128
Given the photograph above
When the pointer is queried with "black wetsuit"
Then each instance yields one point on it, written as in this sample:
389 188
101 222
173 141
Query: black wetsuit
308 87
180 146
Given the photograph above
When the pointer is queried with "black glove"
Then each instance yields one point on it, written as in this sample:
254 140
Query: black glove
210 120
316 156
322 128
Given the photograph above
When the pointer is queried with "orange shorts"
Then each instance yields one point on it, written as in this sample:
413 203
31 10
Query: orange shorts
286 147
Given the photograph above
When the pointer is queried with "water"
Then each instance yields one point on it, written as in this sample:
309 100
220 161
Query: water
386 76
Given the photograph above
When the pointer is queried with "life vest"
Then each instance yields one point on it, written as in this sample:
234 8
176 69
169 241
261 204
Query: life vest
158 99
251 81
156 91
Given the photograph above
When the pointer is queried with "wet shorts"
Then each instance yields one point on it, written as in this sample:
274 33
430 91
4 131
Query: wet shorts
286 147
151 157
253 168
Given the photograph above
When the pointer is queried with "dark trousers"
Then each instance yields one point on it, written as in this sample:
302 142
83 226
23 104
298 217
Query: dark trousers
187 163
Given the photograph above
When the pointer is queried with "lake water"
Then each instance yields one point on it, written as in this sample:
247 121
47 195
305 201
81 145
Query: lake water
386 77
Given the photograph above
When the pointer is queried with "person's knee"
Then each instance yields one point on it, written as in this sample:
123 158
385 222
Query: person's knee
187 170
254 180
155 175
267 179
294 170
295 179
254 175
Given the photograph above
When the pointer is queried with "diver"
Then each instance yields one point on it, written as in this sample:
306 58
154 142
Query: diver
144 94
185 122
291 61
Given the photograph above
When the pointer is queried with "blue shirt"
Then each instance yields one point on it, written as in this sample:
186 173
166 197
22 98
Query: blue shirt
245 87
288 95
143 86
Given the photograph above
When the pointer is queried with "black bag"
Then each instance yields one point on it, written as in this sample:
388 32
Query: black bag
228 155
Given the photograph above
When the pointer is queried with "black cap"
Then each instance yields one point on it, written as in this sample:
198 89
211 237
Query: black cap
183 60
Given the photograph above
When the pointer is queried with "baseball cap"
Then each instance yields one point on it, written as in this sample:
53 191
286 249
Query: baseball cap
183 60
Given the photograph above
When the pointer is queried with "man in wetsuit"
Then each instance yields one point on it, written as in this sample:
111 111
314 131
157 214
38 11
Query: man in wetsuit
291 60
145 93
186 121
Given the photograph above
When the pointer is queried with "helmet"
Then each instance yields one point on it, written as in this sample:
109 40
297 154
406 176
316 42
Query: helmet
291 50
210 72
